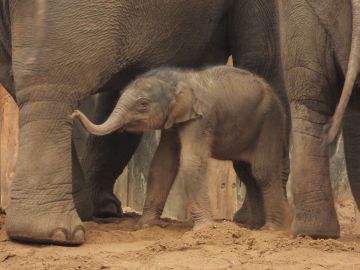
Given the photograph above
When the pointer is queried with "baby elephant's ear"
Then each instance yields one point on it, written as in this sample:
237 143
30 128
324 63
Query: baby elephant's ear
185 107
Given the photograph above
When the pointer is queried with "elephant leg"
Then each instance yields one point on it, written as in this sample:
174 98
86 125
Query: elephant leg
6 78
311 187
255 47
312 82
5 71
195 152
266 166
243 215
49 85
81 188
252 213
104 159
163 170
42 207
351 133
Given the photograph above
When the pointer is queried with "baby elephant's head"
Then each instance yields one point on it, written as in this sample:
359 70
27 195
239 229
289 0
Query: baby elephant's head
150 102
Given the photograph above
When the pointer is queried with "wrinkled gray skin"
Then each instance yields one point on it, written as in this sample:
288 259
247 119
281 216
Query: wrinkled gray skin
320 42
220 112
63 51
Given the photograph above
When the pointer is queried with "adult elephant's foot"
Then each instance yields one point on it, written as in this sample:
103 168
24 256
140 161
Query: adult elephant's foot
319 221
251 222
251 214
48 228
107 205
244 217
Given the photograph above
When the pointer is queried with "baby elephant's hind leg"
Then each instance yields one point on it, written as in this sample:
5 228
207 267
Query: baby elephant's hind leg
267 169
251 214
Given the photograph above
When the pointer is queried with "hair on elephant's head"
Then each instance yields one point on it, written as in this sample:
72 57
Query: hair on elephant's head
158 99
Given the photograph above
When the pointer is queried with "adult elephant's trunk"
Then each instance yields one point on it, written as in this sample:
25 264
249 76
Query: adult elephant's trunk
351 74
115 121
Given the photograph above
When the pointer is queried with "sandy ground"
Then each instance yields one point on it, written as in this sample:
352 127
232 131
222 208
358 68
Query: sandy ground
224 245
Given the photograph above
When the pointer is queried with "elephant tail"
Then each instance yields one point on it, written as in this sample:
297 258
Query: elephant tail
332 128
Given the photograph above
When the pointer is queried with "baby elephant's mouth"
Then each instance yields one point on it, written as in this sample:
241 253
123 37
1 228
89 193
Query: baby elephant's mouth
134 126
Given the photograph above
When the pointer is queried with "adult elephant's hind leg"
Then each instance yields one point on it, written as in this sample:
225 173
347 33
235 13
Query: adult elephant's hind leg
251 214
105 158
110 156
313 200
311 78
255 47
351 133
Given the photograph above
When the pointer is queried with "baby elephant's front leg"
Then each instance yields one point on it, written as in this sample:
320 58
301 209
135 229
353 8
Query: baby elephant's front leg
163 170
193 168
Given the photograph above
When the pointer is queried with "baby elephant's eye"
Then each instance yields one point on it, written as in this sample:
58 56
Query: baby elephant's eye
143 105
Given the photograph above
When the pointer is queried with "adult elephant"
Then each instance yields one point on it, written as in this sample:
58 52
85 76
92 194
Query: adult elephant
64 51
320 42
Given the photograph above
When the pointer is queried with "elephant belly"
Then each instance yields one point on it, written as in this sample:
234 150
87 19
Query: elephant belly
233 147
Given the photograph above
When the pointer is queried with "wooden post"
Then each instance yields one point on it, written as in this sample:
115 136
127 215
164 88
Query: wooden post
222 189
9 132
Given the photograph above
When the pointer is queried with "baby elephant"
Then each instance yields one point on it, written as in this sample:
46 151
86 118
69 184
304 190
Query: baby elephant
220 112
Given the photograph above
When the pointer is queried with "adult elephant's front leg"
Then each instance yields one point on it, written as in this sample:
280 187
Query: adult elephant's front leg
105 158
42 207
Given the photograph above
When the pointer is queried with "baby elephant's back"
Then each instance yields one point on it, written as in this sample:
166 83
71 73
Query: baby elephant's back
244 102
243 93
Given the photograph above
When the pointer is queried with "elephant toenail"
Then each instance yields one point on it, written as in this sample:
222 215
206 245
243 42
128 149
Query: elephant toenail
79 236
59 235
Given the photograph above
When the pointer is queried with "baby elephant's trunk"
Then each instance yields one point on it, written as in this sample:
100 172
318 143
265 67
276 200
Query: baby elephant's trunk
113 123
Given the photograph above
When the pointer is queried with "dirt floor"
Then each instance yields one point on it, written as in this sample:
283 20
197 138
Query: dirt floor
221 246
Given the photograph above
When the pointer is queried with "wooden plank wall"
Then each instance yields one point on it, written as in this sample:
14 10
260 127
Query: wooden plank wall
9 133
